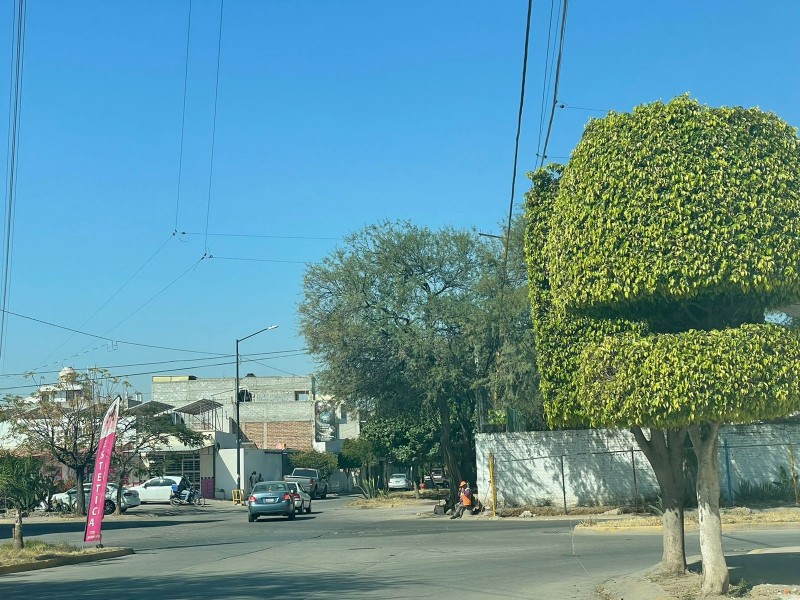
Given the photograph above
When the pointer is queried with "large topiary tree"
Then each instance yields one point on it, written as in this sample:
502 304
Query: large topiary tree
561 338
682 220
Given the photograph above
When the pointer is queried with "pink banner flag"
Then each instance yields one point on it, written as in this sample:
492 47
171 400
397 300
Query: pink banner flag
97 498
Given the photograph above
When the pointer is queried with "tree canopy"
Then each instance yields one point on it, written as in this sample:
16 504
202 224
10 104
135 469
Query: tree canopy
409 319
654 254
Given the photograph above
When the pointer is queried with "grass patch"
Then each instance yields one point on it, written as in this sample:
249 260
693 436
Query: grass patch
36 550
733 516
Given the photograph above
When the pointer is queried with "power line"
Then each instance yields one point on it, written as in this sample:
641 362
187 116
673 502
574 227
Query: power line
260 355
569 106
183 113
102 337
555 86
114 295
12 166
139 374
269 260
516 142
247 235
214 122
545 83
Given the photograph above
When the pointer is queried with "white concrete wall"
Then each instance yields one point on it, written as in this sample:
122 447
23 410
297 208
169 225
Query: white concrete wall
599 464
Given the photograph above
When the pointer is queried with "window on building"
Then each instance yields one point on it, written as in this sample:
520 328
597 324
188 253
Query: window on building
301 396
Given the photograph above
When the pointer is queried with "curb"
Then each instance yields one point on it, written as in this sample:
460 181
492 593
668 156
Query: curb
65 560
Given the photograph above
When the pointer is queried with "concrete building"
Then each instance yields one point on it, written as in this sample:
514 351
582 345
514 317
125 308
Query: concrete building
277 415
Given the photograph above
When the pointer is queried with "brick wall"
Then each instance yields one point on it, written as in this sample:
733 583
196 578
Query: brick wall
296 435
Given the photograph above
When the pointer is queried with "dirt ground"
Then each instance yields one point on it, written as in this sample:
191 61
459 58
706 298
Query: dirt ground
687 587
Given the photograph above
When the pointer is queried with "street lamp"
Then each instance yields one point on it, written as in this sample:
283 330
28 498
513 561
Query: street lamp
236 399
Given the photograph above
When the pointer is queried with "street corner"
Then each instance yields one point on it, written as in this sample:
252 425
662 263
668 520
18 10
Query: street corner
60 561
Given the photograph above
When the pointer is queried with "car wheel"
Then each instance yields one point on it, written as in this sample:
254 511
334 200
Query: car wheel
109 507
308 509
291 515
251 518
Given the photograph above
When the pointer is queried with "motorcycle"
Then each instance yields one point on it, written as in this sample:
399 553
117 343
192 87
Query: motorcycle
176 498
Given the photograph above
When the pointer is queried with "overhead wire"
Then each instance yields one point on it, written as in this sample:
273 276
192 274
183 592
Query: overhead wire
183 114
516 142
103 337
260 355
269 260
542 110
12 165
251 235
214 121
141 373
110 298
555 85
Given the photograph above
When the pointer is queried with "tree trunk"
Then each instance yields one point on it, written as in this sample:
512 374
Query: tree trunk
80 499
665 451
715 570
447 453
18 541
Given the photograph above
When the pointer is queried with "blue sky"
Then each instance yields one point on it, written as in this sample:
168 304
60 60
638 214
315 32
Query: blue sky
330 116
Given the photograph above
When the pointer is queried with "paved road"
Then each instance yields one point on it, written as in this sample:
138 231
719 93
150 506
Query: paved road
338 552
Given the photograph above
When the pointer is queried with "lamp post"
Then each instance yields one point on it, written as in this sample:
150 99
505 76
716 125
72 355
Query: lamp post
236 400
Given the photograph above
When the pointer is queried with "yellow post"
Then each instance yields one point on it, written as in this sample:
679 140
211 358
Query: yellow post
491 484
236 496
794 476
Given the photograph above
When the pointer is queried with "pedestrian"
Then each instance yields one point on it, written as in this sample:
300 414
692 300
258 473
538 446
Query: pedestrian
252 480
464 500
260 478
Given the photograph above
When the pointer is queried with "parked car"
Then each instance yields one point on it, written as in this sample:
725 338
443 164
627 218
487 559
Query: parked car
302 499
158 489
270 498
311 480
399 481
130 498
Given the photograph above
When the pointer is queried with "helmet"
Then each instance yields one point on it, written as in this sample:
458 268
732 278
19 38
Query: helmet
462 484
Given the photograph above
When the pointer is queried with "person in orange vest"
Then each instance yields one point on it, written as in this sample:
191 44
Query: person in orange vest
464 500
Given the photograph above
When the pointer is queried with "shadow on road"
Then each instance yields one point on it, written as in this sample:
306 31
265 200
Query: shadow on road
778 568
36 529
259 584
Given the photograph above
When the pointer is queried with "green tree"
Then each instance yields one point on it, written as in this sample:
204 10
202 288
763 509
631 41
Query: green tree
674 229
65 419
409 442
142 429
561 338
391 318
324 462
23 486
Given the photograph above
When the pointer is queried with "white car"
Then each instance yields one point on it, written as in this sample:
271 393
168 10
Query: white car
399 481
158 489
130 498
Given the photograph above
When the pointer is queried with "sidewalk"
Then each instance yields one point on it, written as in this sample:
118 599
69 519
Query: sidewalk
772 573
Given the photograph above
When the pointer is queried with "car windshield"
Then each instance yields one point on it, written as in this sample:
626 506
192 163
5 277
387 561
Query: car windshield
304 473
398 476
270 486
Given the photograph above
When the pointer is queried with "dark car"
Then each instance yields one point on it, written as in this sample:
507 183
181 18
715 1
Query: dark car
270 498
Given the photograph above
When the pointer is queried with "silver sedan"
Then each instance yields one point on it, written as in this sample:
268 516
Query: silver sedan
270 498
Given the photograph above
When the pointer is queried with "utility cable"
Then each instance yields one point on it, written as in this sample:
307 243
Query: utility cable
555 86
114 295
516 143
139 374
569 106
545 77
250 235
15 110
214 122
269 260
108 339
183 113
